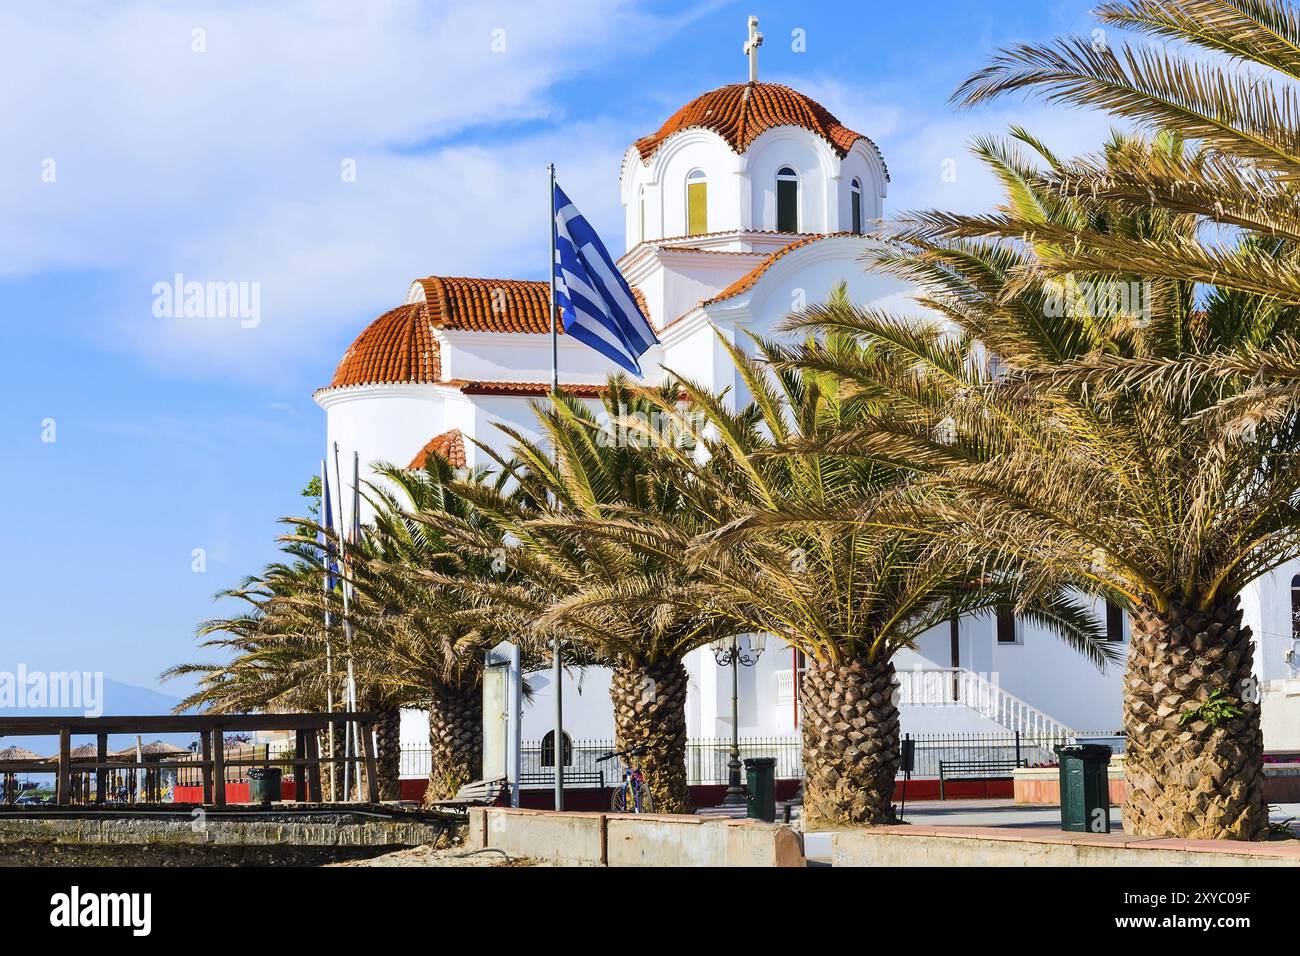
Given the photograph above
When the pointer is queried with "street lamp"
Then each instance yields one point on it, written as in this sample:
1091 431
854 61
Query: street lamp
727 652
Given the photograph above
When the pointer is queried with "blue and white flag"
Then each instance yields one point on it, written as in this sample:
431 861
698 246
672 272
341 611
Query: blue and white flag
596 305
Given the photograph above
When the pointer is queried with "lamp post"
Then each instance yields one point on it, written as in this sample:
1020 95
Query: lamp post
727 652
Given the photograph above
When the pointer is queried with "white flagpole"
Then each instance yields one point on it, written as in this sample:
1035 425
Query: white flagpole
356 536
329 658
556 666
347 632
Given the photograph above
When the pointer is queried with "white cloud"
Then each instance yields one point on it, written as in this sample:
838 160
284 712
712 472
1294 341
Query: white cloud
225 164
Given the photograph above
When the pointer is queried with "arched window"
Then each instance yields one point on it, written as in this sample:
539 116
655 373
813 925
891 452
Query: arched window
1295 608
548 750
643 214
787 200
697 203
855 197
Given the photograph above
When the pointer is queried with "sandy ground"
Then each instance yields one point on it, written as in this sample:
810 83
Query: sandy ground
449 856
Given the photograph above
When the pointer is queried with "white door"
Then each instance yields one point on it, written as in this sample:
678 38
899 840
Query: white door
496 713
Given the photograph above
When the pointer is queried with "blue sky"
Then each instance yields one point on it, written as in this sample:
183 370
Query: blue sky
210 139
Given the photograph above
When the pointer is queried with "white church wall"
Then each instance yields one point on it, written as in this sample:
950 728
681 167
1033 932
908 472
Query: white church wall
689 279
728 187
812 160
383 423
1266 610
862 163
517 357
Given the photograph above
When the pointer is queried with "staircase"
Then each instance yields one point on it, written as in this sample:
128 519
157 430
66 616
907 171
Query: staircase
956 686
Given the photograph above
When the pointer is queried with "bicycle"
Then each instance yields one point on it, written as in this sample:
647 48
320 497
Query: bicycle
633 795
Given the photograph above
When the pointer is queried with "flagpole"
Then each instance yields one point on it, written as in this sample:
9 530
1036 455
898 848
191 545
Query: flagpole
352 680
327 517
556 664
347 631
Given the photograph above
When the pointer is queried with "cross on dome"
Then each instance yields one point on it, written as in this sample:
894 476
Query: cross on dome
751 48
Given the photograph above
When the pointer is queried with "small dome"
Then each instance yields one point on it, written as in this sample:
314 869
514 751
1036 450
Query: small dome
397 347
741 112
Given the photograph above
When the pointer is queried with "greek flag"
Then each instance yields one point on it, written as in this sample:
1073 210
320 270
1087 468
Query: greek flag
596 305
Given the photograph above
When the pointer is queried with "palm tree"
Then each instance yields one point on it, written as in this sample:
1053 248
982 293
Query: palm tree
1127 490
850 596
608 600
1230 90
427 643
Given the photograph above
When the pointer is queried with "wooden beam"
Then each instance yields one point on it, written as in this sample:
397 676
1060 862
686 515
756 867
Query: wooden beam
300 773
101 772
219 766
170 724
368 751
63 786
313 769
205 754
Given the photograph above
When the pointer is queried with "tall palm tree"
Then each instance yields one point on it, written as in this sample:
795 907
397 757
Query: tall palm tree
850 596
427 644
563 576
1128 490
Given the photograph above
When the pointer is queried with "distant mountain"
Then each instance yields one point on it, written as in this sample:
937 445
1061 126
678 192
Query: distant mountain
119 699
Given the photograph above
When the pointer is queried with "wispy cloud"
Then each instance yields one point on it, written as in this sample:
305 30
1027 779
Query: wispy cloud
328 152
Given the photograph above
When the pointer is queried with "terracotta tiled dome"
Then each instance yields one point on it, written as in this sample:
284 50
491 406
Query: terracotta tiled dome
741 112
396 347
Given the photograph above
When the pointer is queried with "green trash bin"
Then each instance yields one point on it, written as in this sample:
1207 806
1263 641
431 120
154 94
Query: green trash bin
264 785
760 784
1085 787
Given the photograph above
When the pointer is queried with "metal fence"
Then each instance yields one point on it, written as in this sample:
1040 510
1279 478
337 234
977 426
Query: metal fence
706 760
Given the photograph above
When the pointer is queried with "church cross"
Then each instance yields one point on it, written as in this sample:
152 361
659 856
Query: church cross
751 48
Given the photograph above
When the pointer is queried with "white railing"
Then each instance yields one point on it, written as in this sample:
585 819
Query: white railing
956 686
787 687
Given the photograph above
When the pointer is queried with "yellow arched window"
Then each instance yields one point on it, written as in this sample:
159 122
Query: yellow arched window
697 203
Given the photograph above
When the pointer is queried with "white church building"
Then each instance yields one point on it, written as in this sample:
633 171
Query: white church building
747 203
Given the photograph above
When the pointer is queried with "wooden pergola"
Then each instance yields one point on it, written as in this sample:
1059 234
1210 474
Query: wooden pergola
212 762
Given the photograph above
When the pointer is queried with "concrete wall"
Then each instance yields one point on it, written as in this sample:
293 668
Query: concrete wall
633 840
990 846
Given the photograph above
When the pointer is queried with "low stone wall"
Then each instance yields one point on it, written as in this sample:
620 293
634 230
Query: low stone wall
1007 846
1041 786
611 839
212 828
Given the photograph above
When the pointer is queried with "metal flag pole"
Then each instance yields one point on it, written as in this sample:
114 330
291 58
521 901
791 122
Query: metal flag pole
347 631
556 664
352 680
328 517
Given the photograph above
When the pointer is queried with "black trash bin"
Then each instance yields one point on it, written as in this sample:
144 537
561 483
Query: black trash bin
1085 787
264 785
760 782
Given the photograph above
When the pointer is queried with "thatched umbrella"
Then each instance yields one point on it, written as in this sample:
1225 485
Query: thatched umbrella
10 778
19 753
155 749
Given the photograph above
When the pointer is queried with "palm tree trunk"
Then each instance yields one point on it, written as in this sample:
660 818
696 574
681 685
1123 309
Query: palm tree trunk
455 739
850 742
650 708
1201 780
388 752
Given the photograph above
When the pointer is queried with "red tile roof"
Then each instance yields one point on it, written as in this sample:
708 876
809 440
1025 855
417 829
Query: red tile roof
486 305
450 445
400 346
491 305
523 389
397 347
742 112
